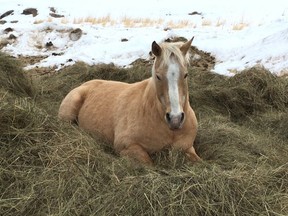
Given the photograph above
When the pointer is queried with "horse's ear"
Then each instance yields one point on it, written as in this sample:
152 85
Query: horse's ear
156 49
186 46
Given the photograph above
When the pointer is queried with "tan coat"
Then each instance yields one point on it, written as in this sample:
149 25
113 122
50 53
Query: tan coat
130 116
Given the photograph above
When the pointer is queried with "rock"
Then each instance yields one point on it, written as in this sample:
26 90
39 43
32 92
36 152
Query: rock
12 37
6 14
29 11
52 9
124 40
7 30
195 13
56 15
57 54
75 34
2 22
49 44
14 21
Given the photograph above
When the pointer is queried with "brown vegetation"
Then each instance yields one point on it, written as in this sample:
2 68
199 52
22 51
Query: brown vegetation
52 168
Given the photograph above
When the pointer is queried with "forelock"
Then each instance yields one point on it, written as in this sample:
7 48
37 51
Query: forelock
169 48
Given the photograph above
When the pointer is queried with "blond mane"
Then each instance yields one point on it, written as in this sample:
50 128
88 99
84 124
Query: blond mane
169 48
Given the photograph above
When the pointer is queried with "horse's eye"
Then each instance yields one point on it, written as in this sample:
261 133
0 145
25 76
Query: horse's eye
185 75
158 77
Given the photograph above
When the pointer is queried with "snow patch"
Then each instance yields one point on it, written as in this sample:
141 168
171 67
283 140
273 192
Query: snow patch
261 40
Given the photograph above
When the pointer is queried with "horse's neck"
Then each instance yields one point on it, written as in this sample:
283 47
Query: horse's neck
150 98
150 91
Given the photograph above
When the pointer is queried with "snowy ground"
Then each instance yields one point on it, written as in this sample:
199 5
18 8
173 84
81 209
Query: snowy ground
240 34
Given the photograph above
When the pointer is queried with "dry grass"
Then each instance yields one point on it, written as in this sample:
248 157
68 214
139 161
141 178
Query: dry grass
51 168
127 22
240 26
39 21
206 22
220 22
131 22
105 20
140 22
64 20
180 24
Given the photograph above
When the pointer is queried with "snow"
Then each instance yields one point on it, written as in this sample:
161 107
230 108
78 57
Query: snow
240 34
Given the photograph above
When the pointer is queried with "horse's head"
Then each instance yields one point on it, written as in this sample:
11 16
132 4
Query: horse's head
169 75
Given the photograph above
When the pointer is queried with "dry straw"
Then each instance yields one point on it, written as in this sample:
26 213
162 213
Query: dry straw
53 168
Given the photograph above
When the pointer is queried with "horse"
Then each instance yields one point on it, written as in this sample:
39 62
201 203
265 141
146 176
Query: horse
143 117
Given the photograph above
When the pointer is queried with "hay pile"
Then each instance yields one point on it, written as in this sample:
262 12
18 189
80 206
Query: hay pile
53 168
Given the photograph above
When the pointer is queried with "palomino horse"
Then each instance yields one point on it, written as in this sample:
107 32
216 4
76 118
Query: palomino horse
143 117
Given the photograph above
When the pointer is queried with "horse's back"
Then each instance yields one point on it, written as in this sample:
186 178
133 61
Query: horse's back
87 93
97 110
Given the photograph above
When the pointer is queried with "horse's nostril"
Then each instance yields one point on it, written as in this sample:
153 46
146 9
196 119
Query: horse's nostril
182 116
168 118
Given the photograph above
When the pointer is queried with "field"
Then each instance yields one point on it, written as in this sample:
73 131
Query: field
48 167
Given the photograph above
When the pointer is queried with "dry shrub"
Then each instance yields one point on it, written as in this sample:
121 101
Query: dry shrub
53 168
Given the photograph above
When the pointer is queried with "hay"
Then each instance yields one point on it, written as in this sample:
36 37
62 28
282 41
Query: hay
247 93
13 78
53 168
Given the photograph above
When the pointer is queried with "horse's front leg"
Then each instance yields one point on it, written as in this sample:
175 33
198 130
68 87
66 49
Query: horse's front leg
192 155
137 152
187 148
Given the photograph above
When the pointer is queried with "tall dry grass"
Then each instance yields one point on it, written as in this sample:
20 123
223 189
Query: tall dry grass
134 22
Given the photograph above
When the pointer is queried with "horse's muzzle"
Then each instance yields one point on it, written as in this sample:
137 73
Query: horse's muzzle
175 121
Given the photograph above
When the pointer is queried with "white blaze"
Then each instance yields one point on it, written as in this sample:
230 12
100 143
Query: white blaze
173 92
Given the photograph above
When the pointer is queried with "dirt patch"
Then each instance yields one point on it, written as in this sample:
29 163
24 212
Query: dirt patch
30 60
200 60
37 71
